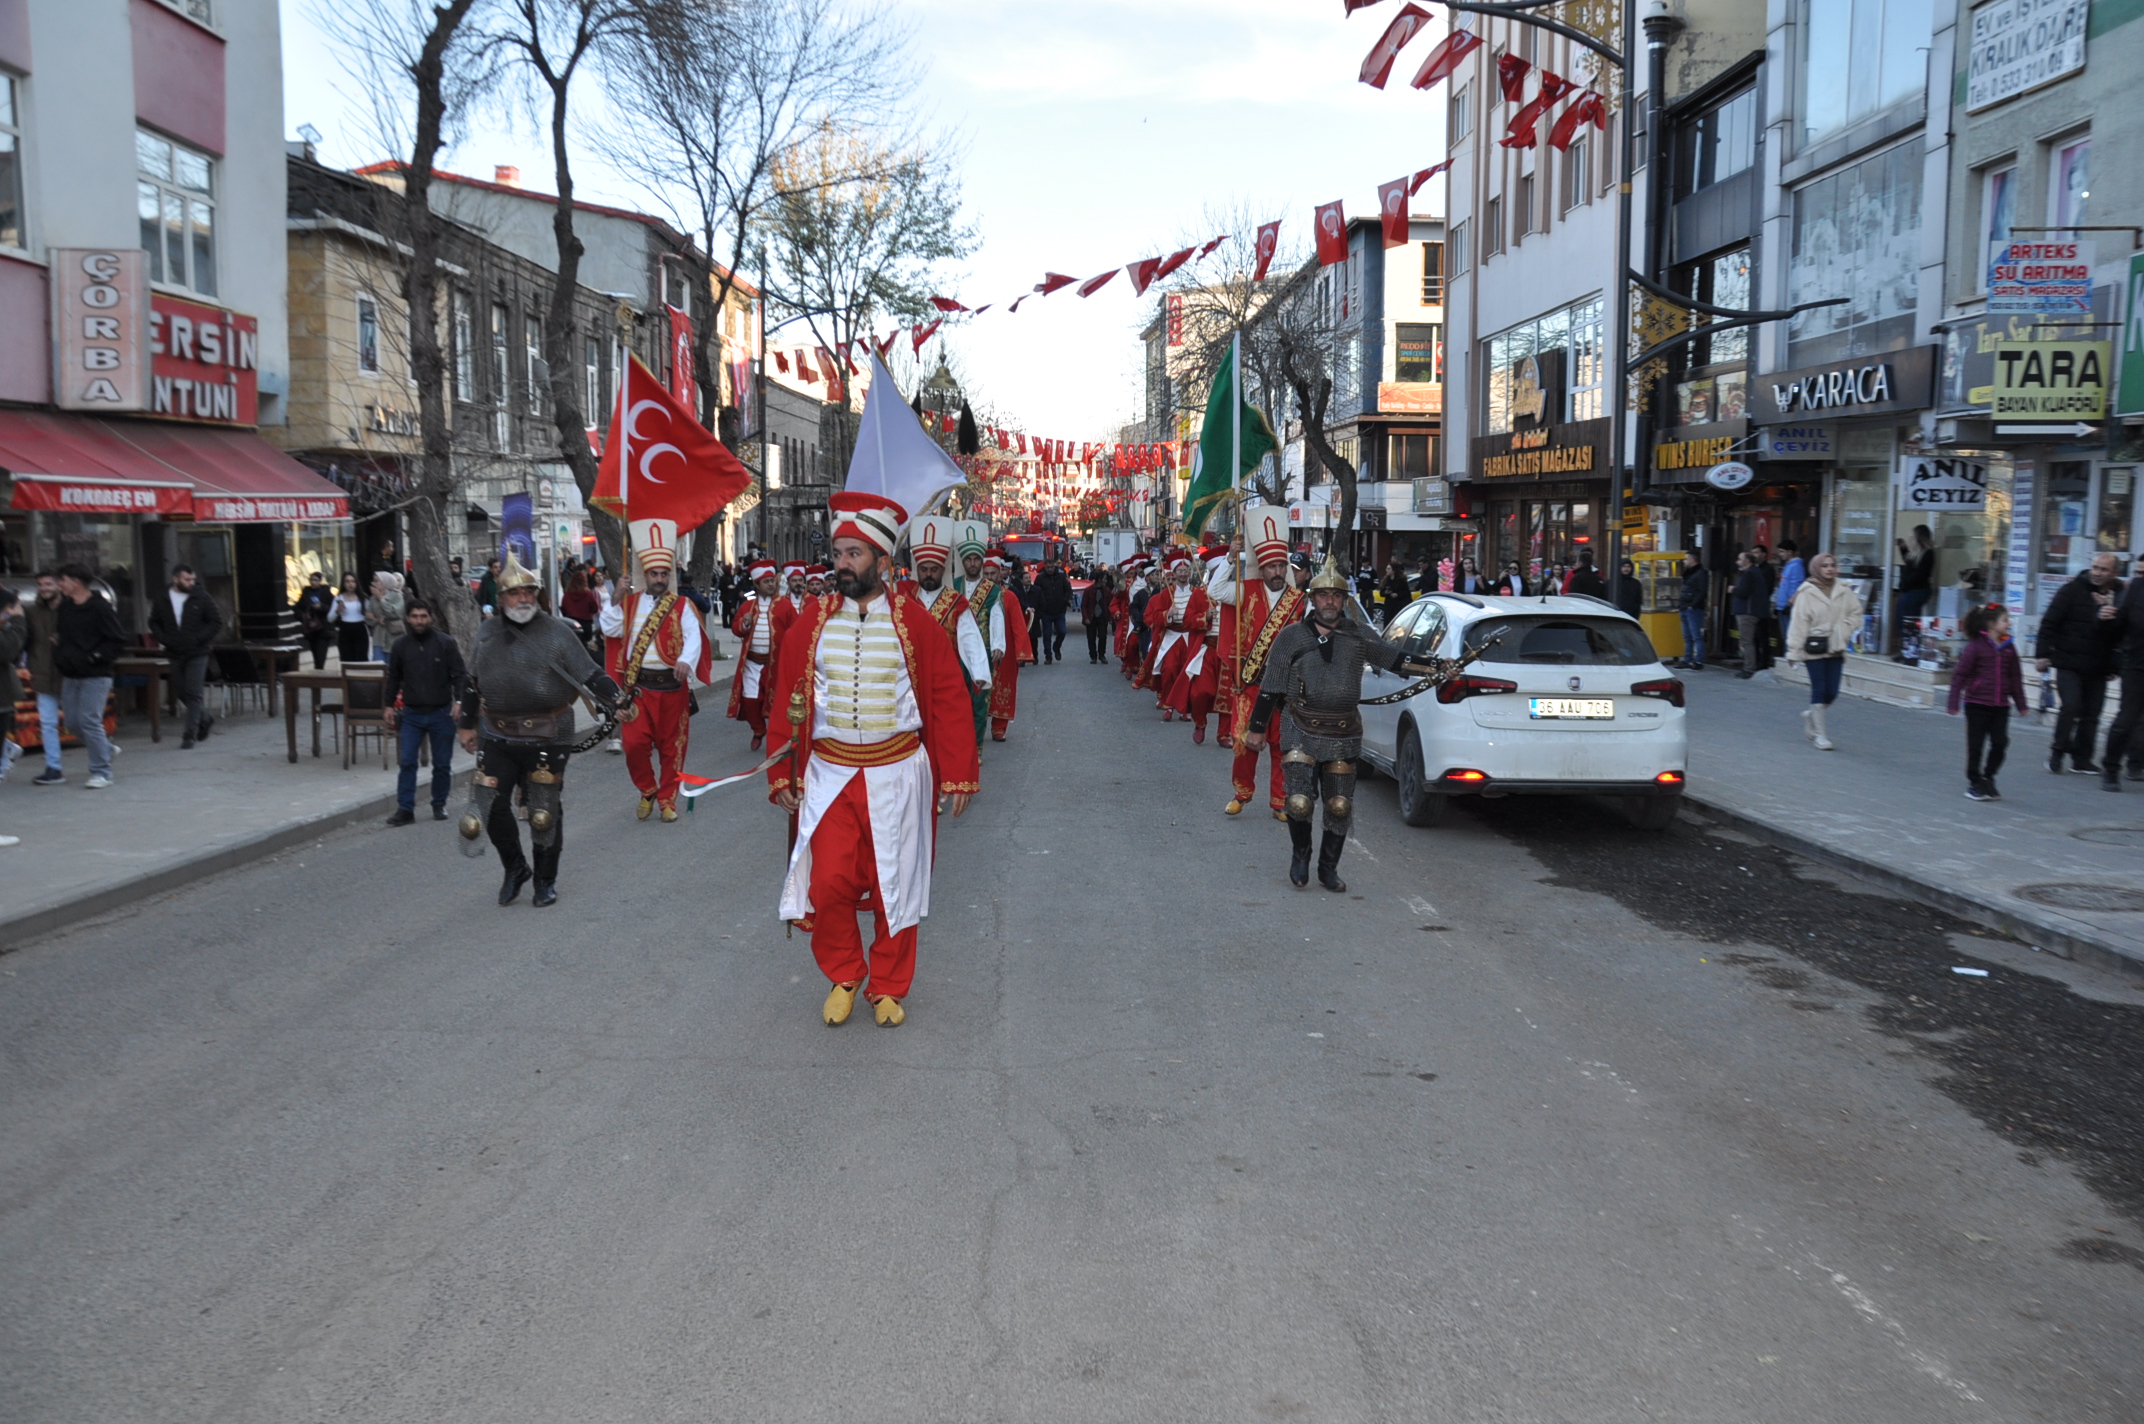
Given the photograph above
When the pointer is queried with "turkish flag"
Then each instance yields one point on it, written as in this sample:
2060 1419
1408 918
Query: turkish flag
1445 58
1331 225
1392 204
1022 439
1511 72
804 367
1173 261
658 463
681 382
1268 244
1142 274
1590 107
947 304
885 348
1209 247
1051 281
1414 184
1377 64
1525 129
922 334
781 363
1095 284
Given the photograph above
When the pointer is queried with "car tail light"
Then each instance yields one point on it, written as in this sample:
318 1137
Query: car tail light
1669 778
1667 689
1465 774
1466 685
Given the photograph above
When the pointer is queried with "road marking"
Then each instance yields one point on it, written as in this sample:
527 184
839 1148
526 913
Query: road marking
1874 1314
1417 905
1360 848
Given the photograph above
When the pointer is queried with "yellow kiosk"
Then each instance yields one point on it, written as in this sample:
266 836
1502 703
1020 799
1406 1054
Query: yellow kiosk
1659 608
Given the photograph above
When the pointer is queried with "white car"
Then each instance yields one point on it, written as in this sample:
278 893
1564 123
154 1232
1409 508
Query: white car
1568 699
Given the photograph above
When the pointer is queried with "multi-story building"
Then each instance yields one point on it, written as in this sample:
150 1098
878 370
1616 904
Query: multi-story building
142 332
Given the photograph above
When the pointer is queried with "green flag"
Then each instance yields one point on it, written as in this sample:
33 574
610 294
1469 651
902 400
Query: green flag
1216 475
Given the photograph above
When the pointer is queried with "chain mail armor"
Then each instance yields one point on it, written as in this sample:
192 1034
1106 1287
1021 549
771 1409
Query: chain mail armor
531 668
1315 674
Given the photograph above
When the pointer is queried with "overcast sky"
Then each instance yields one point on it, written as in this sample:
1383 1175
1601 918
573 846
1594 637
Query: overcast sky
1094 133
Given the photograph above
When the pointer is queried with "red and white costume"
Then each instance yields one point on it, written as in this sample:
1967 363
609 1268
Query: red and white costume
661 724
754 628
1177 616
1009 647
930 541
1243 646
872 698
1193 693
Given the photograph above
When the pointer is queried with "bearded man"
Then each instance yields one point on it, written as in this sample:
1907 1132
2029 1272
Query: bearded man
874 708
653 643
1267 606
930 546
1004 624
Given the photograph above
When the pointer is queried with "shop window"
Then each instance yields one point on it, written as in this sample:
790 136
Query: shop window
1418 353
176 199
11 225
2069 186
1860 57
1857 234
2067 542
2117 510
1715 383
1716 145
1575 332
368 336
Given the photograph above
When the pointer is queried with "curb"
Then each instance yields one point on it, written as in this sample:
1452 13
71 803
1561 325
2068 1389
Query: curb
2043 934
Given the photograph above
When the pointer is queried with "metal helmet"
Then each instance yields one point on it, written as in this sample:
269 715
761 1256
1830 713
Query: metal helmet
1328 577
515 574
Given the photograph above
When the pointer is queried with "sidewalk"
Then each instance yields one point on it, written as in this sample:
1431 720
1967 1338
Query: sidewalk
1889 804
172 817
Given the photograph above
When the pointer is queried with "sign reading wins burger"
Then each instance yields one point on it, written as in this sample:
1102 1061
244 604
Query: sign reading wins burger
120 348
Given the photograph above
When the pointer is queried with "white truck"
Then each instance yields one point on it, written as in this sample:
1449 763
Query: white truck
1114 546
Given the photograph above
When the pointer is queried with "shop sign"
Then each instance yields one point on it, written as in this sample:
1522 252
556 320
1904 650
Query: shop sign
2046 278
269 509
204 363
1874 385
70 495
2131 400
1578 448
2018 45
1800 442
1943 486
1410 397
2051 380
100 324
1698 447
1729 475
1432 495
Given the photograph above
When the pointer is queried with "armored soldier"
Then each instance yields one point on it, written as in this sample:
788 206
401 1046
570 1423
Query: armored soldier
1314 673
527 668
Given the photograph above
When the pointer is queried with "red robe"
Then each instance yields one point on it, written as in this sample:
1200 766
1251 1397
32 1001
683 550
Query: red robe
659 732
1005 679
742 625
1265 615
1166 665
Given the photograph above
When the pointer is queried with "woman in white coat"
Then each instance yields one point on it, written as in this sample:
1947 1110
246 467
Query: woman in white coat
1825 615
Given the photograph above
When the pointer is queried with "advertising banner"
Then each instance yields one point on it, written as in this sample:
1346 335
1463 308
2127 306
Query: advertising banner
517 521
1946 486
2131 399
100 327
2051 278
2051 380
2021 44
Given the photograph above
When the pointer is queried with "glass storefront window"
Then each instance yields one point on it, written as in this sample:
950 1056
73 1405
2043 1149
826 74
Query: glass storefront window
1576 331
1861 500
2117 510
2067 538
1857 234
326 549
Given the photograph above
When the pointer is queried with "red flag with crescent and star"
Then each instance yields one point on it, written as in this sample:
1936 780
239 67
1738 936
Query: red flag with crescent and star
659 463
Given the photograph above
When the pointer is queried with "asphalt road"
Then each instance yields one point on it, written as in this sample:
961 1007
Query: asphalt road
1547 1120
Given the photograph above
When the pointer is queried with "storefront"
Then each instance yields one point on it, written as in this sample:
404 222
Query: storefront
1539 495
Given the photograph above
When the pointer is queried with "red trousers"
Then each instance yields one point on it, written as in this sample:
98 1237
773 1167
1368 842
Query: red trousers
658 734
1243 775
1192 695
844 873
752 711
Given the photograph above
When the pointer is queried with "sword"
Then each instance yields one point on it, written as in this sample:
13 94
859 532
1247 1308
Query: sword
1436 677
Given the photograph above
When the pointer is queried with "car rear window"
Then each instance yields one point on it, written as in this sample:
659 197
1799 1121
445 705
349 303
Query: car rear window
1556 639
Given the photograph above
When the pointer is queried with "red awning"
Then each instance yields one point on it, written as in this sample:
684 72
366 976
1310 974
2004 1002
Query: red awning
85 465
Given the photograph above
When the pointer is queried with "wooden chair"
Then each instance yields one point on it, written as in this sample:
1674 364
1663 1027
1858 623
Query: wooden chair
233 670
364 714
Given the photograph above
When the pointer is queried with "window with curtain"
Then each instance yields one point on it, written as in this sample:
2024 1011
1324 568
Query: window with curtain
1998 210
175 191
2069 185
368 336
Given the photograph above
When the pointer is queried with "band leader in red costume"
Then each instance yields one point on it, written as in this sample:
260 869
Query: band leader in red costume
870 694
653 641
1269 604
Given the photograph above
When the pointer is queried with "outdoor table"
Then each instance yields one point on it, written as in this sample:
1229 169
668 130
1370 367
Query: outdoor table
268 661
153 670
317 680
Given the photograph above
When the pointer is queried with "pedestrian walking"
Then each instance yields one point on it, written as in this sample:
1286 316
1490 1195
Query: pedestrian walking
313 605
1097 614
14 639
2125 736
1916 580
186 621
42 617
1825 616
90 642
487 589
2078 638
1788 577
1696 584
1584 578
346 615
1988 681
1051 597
424 686
383 614
1629 593
1747 602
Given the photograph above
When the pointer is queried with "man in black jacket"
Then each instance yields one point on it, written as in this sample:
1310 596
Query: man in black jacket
2124 735
1050 596
87 642
2077 638
1696 585
186 621
426 674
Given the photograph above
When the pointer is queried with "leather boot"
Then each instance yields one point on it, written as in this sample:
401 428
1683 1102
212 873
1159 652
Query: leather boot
1299 860
1329 860
510 888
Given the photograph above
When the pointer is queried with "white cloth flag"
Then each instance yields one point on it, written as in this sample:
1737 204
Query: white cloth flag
894 457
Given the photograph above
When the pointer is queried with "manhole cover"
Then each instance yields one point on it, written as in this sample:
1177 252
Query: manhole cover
2112 835
2083 897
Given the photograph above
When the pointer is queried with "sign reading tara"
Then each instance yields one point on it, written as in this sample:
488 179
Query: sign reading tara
2047 277
100 328
2051 380
1957 486
2019 45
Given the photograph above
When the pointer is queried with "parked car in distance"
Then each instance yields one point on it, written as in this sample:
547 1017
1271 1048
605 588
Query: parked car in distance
1567 698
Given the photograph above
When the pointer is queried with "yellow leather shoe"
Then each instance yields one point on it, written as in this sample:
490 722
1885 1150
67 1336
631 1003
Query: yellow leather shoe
1280 815
839 1001
889 1013
645 809
1233 808
669 813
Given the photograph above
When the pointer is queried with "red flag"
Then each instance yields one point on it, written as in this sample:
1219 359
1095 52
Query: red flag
1414 184
1377 64
1268 244
925 333
804 368
681 383
1511 72
1392 205
1207 250
658 463
1095 284
1004 440
1590 106
1022 439
1331 225
781 363
826 364
886 347
1142 274
1051 281
1445 58
1354 5
947 304
1173 261
1016 302
1524 131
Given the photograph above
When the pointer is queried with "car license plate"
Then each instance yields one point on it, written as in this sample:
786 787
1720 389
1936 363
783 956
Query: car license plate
1595 708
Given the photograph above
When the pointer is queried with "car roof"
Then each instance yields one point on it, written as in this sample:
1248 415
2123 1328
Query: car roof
1472 607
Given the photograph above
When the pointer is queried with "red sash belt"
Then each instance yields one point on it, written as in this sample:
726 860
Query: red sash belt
896 748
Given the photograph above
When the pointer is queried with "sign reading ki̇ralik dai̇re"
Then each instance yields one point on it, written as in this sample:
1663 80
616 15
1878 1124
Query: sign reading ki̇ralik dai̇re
2019 45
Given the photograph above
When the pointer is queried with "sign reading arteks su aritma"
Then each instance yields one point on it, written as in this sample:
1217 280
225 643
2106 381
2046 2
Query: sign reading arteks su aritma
2051 380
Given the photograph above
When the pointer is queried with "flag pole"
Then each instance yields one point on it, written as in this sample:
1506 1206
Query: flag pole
1235 473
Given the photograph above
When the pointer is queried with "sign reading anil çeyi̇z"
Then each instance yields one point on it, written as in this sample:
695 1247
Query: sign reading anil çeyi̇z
2051 380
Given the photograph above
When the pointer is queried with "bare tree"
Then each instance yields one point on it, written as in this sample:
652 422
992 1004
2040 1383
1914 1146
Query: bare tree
423 65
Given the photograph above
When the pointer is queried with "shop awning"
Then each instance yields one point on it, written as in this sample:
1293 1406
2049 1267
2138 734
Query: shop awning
82 465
